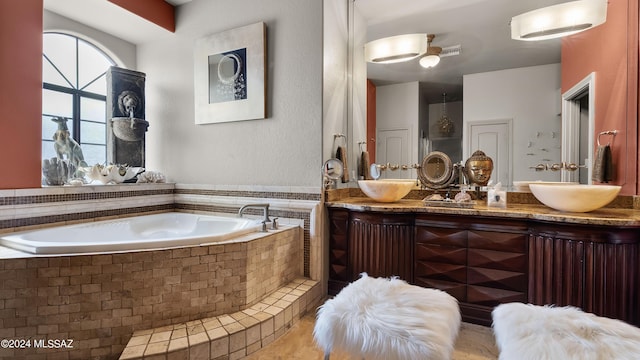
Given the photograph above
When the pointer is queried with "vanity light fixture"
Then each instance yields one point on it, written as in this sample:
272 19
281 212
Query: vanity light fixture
558 20
395 48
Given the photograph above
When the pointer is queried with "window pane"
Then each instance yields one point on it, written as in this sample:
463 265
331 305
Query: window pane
48 151
91 63
94 154
61 50
51 75
91 109
48 128
92 133
99 86
55 103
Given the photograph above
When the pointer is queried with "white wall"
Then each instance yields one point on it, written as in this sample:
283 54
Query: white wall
334 105
531 97
358 130
397 107
285 149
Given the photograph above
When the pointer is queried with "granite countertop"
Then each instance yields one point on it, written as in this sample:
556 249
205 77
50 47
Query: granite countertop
607 216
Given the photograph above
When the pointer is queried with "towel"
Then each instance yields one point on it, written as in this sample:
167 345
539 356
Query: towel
603 164
365 165
341 154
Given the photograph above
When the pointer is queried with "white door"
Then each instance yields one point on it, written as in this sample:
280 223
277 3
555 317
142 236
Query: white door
393 148
494 139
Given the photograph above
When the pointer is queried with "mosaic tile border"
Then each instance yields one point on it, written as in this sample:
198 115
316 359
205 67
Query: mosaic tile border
84 196
51 219
251 194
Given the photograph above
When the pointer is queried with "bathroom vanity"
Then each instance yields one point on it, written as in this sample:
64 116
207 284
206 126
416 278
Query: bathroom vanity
486 256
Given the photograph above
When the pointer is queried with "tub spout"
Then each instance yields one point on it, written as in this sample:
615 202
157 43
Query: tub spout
264 207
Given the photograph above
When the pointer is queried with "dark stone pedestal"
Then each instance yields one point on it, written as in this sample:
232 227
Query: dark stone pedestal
125 99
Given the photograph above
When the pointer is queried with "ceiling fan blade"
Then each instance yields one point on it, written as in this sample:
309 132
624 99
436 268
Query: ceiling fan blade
451 51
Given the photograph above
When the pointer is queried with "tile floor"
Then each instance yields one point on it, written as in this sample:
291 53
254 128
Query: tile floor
474 342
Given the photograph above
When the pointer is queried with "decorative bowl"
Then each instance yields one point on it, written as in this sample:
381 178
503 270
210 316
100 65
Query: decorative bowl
129 129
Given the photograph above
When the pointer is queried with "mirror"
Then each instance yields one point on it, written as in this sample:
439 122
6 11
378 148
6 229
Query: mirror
436 170
481 28
332 171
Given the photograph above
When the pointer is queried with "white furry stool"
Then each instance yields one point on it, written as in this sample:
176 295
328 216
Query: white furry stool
531 332
378 318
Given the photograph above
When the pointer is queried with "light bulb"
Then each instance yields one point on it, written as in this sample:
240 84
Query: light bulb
429 61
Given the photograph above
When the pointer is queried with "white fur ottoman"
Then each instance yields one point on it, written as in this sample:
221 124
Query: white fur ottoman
378 318
531 332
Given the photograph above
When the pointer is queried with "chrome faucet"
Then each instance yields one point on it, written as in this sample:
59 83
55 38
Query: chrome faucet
265 208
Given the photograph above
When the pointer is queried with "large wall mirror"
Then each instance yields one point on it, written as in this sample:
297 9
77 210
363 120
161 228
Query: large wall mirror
494 85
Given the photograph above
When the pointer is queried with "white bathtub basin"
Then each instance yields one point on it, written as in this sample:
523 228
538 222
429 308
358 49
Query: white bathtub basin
574 198
386 190
164 230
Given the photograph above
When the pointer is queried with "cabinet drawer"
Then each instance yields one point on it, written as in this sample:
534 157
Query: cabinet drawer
491 240
441 254
455 289
447 272
441 236
491 297
497 279
499 260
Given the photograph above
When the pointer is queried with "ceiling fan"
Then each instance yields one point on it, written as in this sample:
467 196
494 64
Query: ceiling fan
432 57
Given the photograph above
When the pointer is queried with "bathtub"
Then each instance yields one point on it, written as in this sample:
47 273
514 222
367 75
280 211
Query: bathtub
144 232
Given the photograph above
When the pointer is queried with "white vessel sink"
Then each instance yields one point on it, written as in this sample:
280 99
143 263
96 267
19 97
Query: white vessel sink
386 190
572 197
524 185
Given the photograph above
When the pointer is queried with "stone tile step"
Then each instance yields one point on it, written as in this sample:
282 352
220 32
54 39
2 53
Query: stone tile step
228 336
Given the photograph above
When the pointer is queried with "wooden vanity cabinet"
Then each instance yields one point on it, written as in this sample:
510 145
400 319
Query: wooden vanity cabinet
486 261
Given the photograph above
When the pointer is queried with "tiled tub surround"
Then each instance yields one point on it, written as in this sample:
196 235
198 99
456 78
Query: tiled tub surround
25 209
100 300
291 205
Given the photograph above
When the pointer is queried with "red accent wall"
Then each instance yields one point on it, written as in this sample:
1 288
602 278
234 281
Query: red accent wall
20 93
158 12
611 51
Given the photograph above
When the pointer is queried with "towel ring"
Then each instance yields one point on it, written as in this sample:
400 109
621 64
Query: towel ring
610 132
336 144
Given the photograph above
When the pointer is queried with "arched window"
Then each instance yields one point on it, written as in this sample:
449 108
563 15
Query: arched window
74 87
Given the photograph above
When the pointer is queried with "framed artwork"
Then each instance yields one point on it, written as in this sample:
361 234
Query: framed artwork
230 78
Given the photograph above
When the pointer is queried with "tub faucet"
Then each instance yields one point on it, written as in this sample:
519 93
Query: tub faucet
265 208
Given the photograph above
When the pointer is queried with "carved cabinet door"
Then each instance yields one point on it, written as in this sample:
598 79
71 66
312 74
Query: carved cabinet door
593 269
